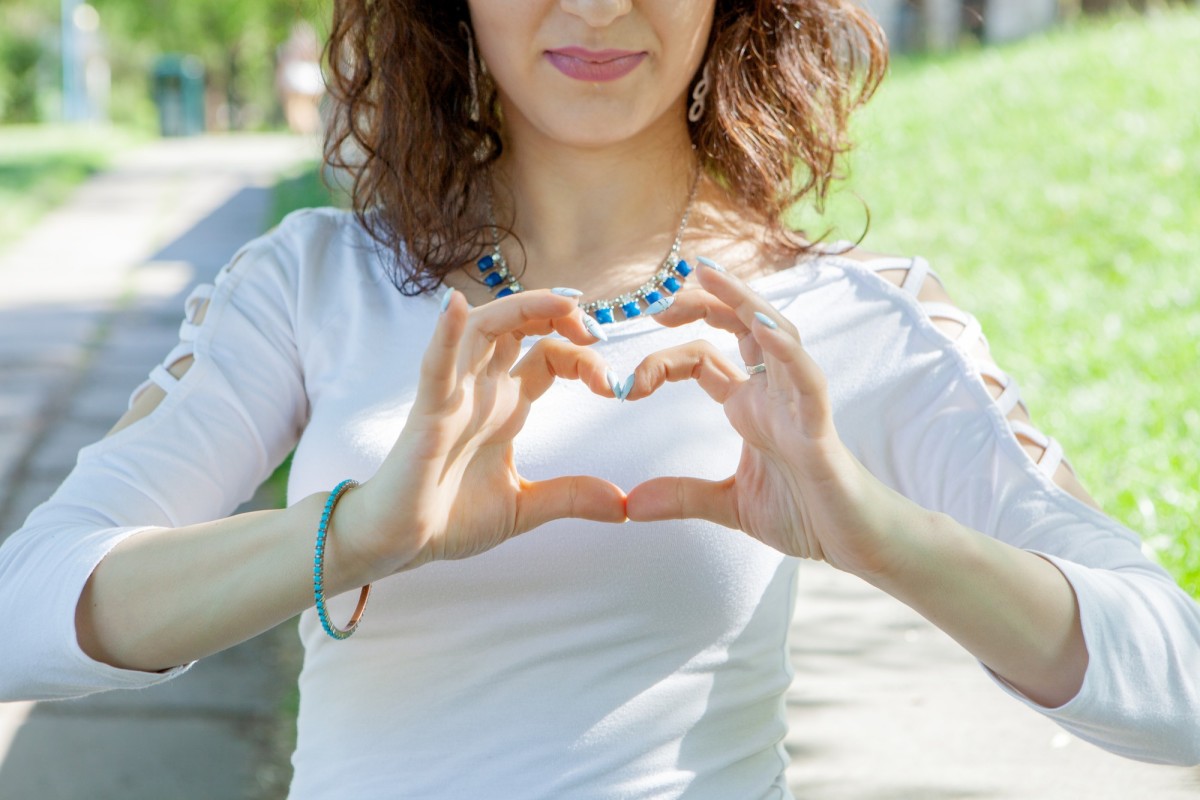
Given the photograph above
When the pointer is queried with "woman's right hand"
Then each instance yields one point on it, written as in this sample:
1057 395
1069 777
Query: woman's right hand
449 488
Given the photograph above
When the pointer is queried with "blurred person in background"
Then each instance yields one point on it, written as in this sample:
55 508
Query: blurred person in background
299 81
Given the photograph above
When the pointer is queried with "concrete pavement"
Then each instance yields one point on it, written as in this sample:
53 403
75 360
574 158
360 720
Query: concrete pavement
884 706
91 300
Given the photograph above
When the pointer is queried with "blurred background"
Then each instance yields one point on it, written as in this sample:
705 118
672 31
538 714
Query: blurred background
1044 155
227 65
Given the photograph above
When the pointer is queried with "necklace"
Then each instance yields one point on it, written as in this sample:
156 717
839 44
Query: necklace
673 270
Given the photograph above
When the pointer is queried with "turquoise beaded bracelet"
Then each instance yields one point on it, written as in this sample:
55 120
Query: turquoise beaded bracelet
319 570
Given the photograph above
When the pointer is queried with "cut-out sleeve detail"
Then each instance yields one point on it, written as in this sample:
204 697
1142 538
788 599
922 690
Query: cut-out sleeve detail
1052 452
1010 394
915 278
189 329
957 440
163 379
970 338
197 300
916 271
971 330
198 454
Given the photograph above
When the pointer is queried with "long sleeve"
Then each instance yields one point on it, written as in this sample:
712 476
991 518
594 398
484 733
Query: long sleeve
948 445
203 451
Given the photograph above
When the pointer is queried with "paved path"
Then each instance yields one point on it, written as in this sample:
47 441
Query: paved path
884 706
91 300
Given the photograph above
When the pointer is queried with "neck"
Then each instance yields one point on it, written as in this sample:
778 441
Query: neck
584 214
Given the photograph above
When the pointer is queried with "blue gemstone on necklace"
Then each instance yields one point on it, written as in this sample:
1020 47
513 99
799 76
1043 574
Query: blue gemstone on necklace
631 309
653 297
486 263
505 292
671 285
493 278
604 315
683 269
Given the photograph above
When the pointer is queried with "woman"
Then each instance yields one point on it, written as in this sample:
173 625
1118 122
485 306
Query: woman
830 406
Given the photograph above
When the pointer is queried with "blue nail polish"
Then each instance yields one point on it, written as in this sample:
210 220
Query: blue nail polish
708 262
628 387
614 384
446 300
592 326
765 320
662 304
565 292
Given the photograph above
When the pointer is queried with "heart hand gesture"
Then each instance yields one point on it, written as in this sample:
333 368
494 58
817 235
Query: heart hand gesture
797 487
449 488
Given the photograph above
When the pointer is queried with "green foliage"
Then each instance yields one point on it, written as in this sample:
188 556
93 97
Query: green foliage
303 188
19 58
1053 185
236 40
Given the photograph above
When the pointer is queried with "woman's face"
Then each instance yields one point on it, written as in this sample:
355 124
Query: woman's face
591 72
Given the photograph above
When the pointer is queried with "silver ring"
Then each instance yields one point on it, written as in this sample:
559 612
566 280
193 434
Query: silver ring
756 368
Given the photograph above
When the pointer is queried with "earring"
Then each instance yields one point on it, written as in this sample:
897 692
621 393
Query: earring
472 69
699 95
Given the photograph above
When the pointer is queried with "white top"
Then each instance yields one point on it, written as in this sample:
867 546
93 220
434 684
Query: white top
582 659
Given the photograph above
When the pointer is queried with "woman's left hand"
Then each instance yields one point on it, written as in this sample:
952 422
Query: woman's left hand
797 487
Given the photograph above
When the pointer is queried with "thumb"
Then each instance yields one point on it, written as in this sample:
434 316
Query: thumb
683 498
577 496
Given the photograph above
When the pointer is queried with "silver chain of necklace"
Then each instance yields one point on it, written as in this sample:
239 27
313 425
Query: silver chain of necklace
668 277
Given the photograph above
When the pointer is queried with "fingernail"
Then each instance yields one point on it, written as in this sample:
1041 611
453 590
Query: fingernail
446 299
566 292
628 387
708 262
765 320
592 326
614 383
661 304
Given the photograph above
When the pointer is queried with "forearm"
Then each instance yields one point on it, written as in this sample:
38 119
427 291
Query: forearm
1011 609
170 596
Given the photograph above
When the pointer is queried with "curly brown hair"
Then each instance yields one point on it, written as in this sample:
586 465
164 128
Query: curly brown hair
785 77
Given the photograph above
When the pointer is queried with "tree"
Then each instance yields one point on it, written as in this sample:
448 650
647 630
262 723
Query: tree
236 39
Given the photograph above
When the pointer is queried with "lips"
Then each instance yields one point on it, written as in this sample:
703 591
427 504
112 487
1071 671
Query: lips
594 65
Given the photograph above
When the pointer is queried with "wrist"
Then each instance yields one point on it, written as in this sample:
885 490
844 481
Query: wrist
367 547
904 531
345 565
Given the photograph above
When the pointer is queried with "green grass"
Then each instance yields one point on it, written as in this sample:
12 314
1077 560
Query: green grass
302 188
1054 184
40 165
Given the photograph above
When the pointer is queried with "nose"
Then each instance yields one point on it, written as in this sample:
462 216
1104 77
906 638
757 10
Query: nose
597 13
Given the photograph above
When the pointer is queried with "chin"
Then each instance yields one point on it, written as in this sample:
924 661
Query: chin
593 124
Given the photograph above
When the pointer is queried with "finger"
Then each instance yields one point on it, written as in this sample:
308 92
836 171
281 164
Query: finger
505 351
577 496
789 364
697 360
552 358
683 498
743 300
580 328
438 376
698 304
523 313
